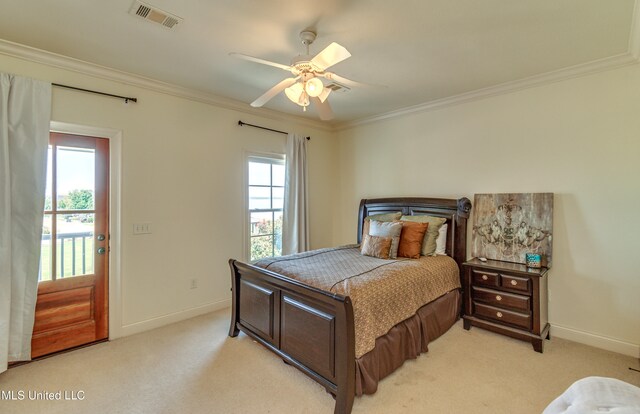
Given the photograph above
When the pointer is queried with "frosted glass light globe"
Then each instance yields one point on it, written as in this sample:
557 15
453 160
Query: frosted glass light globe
313 87
293 92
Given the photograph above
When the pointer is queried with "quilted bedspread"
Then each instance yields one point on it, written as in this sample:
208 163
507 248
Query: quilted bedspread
383 292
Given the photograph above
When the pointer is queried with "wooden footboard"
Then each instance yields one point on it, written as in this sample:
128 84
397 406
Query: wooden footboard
308 328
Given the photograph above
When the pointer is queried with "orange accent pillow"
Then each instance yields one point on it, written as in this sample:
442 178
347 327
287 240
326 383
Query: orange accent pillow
411 239
376 246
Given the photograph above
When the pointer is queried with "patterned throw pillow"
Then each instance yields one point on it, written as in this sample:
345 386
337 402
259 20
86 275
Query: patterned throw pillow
387 229
411 239
375 246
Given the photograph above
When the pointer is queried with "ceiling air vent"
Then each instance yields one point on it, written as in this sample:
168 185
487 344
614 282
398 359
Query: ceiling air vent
155 15
335 87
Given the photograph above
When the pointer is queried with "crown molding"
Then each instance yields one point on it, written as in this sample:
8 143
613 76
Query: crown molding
503 88
632 56
75 65
91 69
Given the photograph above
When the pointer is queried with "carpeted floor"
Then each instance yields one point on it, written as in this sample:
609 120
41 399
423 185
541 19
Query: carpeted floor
193 367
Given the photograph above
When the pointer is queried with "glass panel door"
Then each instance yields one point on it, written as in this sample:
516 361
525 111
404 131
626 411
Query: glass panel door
71 308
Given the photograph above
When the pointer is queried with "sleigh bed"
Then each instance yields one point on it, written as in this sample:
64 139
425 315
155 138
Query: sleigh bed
313 328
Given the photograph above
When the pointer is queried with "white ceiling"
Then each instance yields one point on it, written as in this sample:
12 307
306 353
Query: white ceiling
422 50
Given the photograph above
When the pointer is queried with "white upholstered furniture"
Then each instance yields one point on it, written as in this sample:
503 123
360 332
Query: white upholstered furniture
597 395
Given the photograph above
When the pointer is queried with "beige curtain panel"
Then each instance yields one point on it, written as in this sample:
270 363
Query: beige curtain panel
295 221
25 112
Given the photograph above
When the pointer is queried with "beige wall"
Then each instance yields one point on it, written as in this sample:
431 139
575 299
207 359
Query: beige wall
182 171
579 139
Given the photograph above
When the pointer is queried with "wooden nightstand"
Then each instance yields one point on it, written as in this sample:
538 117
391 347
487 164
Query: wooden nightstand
507 298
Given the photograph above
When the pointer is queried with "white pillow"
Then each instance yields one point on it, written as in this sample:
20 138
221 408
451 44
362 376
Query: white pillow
387 229
441 241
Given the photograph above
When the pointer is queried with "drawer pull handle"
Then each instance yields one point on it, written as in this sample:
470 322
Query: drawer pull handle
498 297
485 277
499 314
514 282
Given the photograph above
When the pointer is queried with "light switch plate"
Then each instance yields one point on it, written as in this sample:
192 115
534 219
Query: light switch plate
142 228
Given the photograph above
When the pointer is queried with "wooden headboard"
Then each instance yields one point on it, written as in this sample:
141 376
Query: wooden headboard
455 211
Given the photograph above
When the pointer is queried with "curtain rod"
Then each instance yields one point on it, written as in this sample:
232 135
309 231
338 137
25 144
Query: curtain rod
126 98
265 128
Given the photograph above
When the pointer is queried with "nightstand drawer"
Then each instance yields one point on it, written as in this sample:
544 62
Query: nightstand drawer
496 298
482 278
503 315
515 282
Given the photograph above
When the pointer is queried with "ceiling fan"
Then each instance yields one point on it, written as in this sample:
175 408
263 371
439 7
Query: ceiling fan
306 84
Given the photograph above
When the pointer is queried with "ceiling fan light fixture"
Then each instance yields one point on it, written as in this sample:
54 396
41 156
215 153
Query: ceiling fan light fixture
306 84
304 100
313 87
294 92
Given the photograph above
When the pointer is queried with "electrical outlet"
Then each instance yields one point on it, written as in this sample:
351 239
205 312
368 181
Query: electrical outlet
142 228
194 283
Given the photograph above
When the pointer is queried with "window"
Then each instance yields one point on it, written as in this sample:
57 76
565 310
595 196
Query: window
69 216
266 199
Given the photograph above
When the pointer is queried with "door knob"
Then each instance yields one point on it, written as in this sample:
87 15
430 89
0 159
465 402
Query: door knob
101 250
101 237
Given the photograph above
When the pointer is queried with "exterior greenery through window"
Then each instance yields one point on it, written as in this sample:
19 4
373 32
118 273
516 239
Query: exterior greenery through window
266 198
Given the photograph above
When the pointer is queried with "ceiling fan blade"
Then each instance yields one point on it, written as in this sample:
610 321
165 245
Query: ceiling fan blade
330 55
324 95
258 60
348 82
324 109
273 92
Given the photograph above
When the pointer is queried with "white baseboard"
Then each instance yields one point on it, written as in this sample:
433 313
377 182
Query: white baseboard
575 335
596 341
163 320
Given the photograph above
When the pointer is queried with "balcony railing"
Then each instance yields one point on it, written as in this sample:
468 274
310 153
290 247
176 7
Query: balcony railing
81 256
